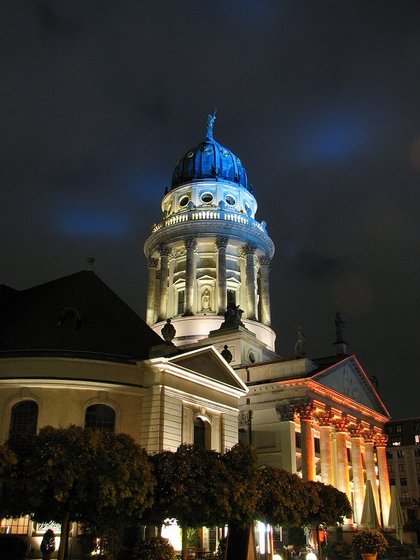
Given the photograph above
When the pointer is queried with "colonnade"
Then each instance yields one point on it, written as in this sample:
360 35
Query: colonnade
345 446
158 283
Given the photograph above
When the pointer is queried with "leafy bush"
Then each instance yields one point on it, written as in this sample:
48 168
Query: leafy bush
13 547
370 541
153 549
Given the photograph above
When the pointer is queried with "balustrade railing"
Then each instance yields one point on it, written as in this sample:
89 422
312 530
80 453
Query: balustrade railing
208 215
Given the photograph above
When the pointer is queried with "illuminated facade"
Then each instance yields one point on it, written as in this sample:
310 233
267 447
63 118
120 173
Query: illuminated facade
322 419
209 250
403 455
71 352
74 341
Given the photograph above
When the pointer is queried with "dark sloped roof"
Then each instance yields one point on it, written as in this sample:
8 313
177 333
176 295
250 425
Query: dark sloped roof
76 313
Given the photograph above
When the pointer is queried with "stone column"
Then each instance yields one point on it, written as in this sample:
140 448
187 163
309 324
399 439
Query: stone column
325 444
305 411
357 468
163 282
384 489
151 292
221 244
287 432
369 437
190 245
265 290
343 478
250 282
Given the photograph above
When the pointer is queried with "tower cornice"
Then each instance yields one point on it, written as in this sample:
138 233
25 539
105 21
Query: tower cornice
251 230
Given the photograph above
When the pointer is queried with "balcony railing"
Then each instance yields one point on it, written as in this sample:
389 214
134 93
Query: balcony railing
193 215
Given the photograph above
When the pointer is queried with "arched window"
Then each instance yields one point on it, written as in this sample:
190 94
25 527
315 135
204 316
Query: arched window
199 433
23 421
202 433
101 417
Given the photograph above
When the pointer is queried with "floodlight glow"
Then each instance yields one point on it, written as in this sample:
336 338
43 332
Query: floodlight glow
261 537
172 532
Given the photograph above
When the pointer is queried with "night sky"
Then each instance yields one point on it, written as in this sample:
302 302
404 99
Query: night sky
320 100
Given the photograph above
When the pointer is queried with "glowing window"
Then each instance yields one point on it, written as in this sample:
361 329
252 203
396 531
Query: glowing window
23 421
15 525
100 417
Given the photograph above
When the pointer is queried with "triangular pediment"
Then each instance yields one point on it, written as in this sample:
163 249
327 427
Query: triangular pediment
207 363
206 278
349 379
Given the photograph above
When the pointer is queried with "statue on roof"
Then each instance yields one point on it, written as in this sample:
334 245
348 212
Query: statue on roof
227 354
300 345
210 125
168 331
233 316
339 327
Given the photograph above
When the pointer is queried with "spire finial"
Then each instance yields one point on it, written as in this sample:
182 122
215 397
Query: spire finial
210 124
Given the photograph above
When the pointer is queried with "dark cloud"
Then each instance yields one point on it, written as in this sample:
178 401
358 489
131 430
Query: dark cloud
320 100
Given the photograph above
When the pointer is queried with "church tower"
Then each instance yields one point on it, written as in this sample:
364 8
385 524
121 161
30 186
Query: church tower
209 251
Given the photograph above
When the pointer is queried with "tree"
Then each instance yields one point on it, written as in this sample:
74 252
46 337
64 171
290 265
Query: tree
192 487
282 497
332 507
73 474
241 464
8 461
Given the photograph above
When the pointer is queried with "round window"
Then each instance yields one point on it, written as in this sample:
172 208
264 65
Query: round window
230 200
207 197
183 201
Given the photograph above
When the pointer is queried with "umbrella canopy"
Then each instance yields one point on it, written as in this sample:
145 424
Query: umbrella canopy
369 514
396 517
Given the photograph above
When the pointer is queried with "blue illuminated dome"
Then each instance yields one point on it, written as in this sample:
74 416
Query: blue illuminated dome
209 160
